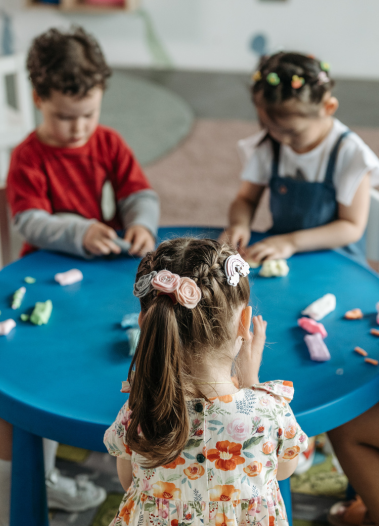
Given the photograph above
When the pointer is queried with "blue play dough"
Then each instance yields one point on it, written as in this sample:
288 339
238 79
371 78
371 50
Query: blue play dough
259 44
62 380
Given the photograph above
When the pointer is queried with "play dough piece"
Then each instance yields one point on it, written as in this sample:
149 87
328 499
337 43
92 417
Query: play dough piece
354 314
24 317
41 312
372 361
130 321
124 245
360 351
317 349
312 326
30 280
6 327
321 307
274 268
18 296
68 278
133 337
377 310
253 264
374 332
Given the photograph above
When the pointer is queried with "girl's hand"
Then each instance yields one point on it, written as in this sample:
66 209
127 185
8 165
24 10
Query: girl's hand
274 247
250 355
98 240
238 236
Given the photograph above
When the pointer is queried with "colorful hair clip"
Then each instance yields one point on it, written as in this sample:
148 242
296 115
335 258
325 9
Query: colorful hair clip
297 82
235 267
273 79
323 78
256 76
325 66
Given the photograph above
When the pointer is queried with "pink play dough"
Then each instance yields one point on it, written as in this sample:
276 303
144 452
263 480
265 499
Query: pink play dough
6 326
312 326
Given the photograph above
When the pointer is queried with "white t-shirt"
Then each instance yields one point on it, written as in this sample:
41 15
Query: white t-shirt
354 160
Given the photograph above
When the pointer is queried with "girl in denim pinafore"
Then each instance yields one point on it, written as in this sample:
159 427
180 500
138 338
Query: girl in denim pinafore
324 201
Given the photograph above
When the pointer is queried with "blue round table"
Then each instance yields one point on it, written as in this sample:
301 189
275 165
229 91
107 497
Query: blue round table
62 380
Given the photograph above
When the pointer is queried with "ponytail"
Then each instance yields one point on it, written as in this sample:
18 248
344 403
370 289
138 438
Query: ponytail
159 425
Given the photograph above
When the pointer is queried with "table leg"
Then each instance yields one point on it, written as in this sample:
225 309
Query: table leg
28 492
285 490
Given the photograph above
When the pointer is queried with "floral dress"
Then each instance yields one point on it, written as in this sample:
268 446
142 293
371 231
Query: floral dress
226 475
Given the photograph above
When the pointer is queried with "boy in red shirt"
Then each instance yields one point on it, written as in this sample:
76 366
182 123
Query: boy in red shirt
57 173
55 185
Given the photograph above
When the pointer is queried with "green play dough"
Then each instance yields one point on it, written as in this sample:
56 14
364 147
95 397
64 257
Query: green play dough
41 312
30 280
24 317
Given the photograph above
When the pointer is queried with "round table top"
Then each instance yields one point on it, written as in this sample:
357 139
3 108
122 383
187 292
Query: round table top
62 380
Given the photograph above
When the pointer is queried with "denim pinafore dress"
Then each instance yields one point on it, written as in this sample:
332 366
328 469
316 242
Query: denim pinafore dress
297 204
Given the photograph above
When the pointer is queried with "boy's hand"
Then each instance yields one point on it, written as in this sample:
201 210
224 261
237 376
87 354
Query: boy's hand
250 355
275 247
238 236
141 239
98 240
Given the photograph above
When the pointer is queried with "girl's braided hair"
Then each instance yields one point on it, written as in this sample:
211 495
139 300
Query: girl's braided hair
286 66
173 338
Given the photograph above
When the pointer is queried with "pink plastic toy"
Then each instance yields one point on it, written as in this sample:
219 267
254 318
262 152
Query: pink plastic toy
6 326
68 278
317 349
312 326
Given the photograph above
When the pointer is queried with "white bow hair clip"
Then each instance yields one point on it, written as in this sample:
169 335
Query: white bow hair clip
235 267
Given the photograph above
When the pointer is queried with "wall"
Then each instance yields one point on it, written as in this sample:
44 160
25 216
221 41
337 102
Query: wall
215 34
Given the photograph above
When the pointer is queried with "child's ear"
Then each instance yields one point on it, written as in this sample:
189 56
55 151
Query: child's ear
330 106
245 322
36 99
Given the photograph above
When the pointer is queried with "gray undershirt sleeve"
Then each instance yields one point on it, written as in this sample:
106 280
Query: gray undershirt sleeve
141 208
53 232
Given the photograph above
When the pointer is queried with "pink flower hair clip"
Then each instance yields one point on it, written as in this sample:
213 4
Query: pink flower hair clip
181 290
235 267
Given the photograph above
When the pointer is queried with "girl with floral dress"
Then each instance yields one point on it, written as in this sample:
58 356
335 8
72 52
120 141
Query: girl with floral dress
195 446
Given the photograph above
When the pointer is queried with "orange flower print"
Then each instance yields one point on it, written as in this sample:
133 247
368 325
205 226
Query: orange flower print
174 522
290 431
224 493
288 384
177 462
194 471
271 521
222 520
126 511
226 456
226 398
127 449
268 447
166 490
291 452
253 469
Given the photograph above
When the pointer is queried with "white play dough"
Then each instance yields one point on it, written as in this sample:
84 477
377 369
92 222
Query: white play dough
68 278
321 307
6 326
274 268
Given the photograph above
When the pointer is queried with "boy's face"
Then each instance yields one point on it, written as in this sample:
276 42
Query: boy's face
68 121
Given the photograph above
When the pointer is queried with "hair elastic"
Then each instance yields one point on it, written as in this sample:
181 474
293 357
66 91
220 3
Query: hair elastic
256 76
297 82
273 79
325 66
323 78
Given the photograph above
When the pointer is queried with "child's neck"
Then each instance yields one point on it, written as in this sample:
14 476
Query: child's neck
214 380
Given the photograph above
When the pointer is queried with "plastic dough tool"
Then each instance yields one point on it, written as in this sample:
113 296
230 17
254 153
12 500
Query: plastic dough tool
124 245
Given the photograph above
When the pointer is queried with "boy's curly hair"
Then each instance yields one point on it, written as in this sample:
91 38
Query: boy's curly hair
69 62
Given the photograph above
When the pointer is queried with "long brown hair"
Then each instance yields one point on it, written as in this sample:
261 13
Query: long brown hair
172 338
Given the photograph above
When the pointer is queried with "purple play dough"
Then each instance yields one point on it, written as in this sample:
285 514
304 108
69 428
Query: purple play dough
317 348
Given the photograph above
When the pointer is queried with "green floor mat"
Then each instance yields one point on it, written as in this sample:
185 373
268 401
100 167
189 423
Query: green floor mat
108 510
72 454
